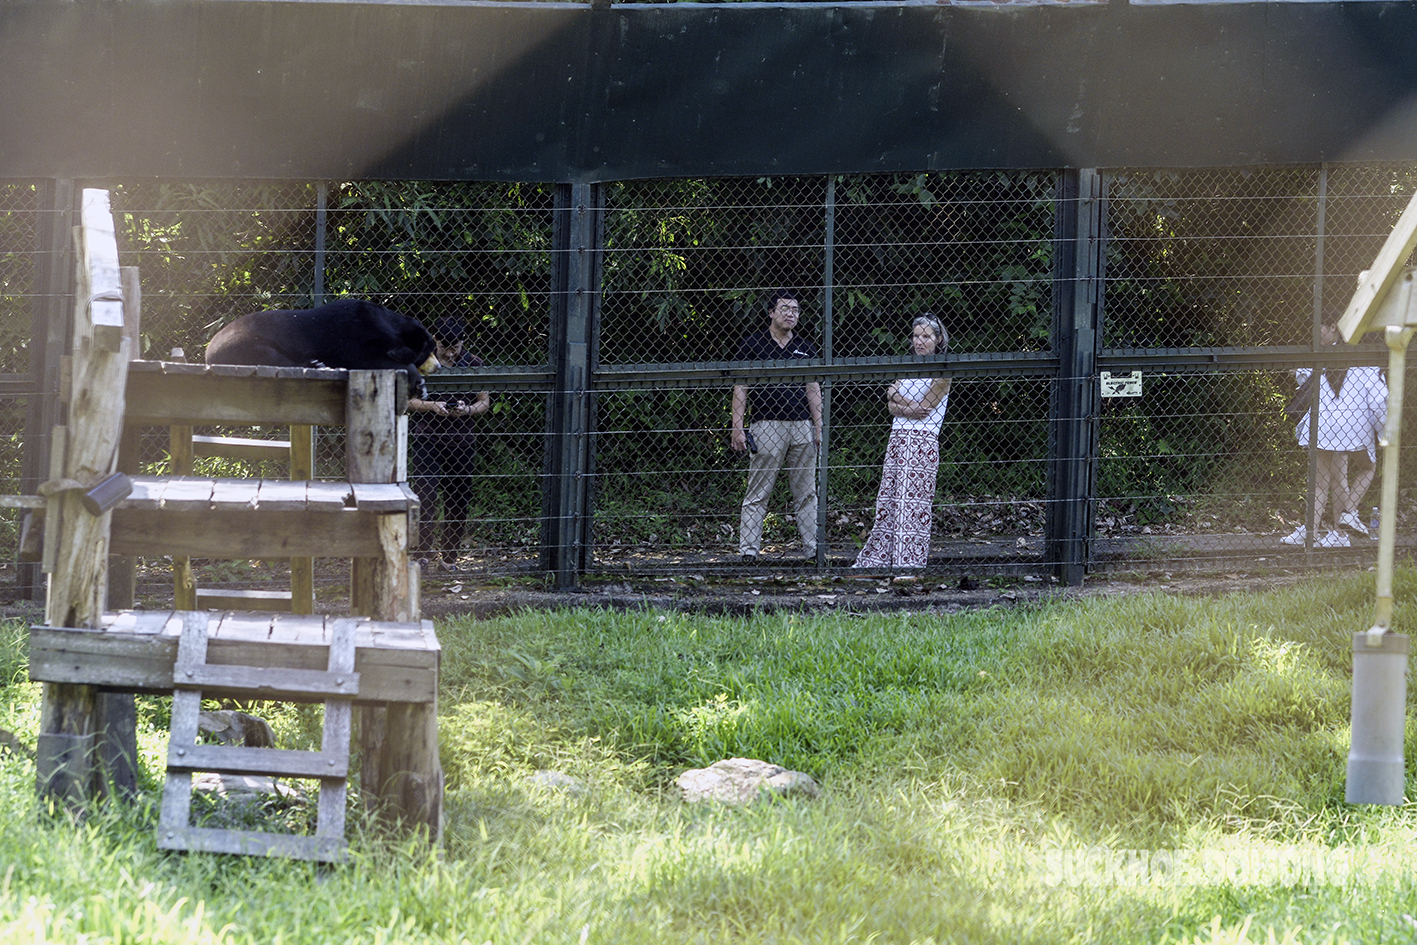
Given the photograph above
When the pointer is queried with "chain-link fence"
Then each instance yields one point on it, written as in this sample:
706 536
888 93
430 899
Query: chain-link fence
1205 468
20 295
1212 284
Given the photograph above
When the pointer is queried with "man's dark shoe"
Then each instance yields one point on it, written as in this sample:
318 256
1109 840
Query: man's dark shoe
748 559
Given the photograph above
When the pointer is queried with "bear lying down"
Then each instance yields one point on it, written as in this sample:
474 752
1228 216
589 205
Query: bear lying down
349 333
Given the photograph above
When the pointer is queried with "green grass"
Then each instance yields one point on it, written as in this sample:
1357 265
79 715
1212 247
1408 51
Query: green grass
956 755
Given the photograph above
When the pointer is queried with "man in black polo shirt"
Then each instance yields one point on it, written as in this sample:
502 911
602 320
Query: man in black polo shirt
785 428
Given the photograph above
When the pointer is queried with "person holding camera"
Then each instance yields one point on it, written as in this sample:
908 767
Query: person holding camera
442 452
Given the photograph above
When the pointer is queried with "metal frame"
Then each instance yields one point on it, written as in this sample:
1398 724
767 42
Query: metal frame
573 375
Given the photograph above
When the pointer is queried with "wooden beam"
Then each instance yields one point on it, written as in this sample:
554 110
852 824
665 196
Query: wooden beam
245 448
144 661
1375 283
207 396
255 534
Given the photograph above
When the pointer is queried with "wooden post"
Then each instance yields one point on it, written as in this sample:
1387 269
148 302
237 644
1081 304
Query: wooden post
302 570
116 713
67 767
184 582
371 454
401 775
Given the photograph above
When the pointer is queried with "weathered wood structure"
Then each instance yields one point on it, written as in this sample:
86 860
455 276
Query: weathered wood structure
90 661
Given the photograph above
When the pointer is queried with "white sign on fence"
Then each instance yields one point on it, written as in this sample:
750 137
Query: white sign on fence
1121 385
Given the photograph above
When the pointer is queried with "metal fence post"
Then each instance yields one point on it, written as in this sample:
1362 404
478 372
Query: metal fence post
828 275
1077 332
317 290
52 314
1311 527
577 237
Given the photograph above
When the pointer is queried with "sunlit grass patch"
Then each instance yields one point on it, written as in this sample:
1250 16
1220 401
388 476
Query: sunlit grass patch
956 754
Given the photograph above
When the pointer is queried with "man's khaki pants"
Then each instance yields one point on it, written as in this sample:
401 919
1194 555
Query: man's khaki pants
789 443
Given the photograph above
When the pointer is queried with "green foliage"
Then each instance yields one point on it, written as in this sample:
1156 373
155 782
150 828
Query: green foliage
210 252
14 652
481 252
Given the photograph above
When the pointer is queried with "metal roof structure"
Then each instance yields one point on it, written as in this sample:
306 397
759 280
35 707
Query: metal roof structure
462 89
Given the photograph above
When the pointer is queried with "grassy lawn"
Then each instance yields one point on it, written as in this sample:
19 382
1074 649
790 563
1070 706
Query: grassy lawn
1141 769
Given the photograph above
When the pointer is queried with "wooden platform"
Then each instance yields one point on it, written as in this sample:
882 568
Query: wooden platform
165 393
136 651
257 518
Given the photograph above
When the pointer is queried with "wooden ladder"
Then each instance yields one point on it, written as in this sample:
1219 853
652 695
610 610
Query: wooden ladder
191 674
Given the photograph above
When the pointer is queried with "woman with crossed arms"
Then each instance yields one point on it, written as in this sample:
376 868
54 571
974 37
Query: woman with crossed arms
900 537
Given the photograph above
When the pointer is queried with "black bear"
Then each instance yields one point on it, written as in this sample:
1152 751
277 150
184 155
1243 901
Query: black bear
349 333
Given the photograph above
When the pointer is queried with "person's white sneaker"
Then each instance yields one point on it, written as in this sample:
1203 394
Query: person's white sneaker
1296 537
1351 521
1333 539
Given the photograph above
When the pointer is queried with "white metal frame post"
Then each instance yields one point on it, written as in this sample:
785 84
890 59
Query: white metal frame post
1383 300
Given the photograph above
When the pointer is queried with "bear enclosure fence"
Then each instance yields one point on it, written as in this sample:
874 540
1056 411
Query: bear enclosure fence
1122 346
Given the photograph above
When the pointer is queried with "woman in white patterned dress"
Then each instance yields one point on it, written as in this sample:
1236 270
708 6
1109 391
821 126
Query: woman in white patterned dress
900 537
1352 414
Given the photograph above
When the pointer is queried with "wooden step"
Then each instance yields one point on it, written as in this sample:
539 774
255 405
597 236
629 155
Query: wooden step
338 684
200 517
136 650
217 598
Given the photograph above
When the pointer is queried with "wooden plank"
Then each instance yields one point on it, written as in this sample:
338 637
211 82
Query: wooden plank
146 490
255 534
328 497
380 496
221 370
136 621
300 630
343 640
176 807
337 730
219 398
408 635
280 762
302 451
234 495
191 652
143 662
279 495
251 843
1377 281
215 598
270 682
187 494
302 585
243 448
243 628
329 812
302 570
